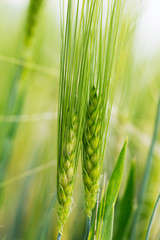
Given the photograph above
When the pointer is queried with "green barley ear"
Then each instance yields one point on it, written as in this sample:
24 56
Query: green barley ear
103 60
91 141
73 93
66 173
32 17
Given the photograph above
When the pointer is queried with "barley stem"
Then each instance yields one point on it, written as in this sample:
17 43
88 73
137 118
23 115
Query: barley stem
88 227
152 216
59 236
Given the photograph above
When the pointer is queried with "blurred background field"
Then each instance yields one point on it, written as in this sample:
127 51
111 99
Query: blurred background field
28 120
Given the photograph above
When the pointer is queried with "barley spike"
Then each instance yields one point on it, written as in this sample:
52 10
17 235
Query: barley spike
91 142
34 8
66 172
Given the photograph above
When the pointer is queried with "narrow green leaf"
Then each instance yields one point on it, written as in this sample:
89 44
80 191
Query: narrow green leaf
15 231
45 223
126 204
109 226
114 184
151 219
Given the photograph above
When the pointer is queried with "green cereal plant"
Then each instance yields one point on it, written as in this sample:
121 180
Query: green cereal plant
73 92
105 46
16 95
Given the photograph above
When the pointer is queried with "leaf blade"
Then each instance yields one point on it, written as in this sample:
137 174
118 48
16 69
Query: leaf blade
126 204
109 226
114 184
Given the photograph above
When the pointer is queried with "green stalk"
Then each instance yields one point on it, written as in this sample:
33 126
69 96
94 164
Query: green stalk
59 236
88 227
152 216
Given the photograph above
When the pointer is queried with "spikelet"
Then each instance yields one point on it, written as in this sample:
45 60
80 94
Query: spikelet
91 142
32 16
66 174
